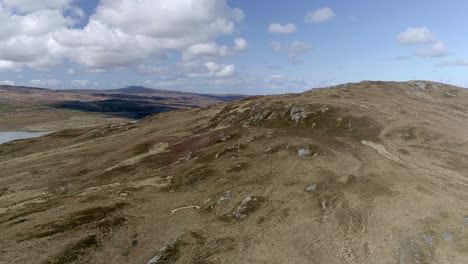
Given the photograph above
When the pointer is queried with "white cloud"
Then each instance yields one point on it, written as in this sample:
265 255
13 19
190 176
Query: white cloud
27 6
133 31
46 83
436 50
286 29
80 82
453 63
204 51
416 35
174 20
121 33
220 71
320 15
25 39
211 70
240 44
7 82
71 71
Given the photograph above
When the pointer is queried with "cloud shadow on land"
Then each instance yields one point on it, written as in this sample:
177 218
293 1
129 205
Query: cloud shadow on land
117 107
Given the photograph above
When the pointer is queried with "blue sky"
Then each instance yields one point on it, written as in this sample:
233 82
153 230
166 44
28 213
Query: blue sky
234 46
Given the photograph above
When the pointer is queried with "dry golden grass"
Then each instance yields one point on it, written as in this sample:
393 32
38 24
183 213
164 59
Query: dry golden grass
226 184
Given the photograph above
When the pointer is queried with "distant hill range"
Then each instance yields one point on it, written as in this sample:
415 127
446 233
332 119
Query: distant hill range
22 107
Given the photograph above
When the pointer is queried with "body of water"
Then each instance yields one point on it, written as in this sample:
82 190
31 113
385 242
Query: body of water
14 135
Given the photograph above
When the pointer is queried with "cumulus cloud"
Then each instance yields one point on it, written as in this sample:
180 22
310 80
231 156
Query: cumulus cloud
416 35
27 6
134 31
240 44
286 29
176 20
436 50
320 15
25 39
215 70
204 51
121 33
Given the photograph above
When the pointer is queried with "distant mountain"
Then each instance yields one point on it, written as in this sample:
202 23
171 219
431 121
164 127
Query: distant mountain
136 90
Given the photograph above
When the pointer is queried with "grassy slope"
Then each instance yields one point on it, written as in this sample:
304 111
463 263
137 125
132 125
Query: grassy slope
403 202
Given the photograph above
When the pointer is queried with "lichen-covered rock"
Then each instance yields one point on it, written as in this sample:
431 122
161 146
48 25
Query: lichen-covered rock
275 114
219 204
167 253
249 205
304 152
452 93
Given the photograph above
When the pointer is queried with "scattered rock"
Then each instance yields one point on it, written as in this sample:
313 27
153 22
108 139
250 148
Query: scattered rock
447 236
452 93
234 148
218 199
271 150
168 253
270 135
419 84
225 138
252 139
225 197
311 188
249 205
297 114
304 152
465 220
124 193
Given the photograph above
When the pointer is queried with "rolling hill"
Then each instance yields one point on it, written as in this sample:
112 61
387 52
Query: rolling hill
369 172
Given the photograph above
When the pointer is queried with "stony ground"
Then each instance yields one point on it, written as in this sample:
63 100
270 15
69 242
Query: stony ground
373 172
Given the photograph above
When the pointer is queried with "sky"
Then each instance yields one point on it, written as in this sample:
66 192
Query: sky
230 46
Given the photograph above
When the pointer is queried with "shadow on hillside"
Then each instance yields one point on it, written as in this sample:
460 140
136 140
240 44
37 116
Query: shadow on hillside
122 108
